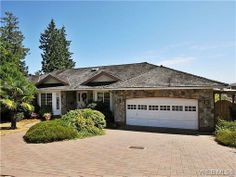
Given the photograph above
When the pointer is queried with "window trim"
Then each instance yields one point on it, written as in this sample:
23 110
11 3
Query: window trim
103 96
46 99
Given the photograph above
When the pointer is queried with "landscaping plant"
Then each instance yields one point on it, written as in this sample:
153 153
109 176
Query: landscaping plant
49 131
17 92
226 132
104 109
74 124
87 122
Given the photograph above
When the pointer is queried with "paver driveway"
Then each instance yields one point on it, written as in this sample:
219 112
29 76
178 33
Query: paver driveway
110 155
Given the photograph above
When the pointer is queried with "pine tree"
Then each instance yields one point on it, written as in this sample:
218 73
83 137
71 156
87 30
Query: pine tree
12 40
56 54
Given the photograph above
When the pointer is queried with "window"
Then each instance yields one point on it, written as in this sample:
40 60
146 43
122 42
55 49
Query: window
78 96
103 97
164 108
153 107
46 99
142 107
106 99
190 108
57 101
100 96
177 108
131 106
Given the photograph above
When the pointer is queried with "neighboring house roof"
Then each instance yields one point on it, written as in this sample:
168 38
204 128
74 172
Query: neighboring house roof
137 75
233 84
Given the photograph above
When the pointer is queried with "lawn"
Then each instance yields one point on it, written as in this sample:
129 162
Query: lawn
22 125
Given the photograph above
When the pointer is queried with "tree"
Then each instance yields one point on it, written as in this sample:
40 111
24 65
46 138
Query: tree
55 46
16 91
12 40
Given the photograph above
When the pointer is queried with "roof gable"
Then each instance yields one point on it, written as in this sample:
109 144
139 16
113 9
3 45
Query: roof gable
100 78
50 79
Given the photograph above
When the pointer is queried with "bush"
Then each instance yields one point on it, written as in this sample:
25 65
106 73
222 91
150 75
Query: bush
226 137
74 119
103 108
49 131
87 122
97 117
223 125
226 132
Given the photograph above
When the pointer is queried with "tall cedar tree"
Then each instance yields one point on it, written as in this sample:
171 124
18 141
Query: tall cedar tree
56 54
12 39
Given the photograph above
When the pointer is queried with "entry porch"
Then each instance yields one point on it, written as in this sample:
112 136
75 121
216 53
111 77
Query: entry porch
64 101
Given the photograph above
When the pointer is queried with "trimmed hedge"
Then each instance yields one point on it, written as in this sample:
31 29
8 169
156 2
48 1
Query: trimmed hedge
49 131
226 133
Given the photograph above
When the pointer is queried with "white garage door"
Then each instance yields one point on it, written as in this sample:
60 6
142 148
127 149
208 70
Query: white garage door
162 112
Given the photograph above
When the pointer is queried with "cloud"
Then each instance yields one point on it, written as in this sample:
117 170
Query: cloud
177 61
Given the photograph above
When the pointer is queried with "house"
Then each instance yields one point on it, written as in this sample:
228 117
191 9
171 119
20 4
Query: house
232 86
139 94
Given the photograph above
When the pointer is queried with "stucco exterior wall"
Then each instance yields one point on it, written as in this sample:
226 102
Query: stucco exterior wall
204 97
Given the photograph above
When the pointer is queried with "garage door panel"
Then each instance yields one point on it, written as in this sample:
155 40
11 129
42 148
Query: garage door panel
162 123
186 118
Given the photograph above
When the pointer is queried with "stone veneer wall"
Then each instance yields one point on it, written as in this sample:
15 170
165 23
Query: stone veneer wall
204 97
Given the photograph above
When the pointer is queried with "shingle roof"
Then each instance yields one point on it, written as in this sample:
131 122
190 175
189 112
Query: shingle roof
233 84
162 76
76 77
137 75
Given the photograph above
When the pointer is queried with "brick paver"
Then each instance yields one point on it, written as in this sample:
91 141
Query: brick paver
164 155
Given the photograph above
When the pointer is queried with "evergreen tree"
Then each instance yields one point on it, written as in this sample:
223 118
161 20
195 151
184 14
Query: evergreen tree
55 48
12 40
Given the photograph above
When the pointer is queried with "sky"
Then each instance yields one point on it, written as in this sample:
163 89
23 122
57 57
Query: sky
195 37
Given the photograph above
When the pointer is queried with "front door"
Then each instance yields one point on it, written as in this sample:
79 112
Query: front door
82 99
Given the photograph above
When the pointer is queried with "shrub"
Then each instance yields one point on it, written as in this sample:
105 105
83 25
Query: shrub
49 131
223 125
90 132
87 122
103 108
75 119
97 117
226 137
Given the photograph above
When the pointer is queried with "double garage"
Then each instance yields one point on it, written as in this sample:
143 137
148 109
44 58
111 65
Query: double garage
162 112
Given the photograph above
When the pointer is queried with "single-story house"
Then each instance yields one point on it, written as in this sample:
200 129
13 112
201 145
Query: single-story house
232 86
138 94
